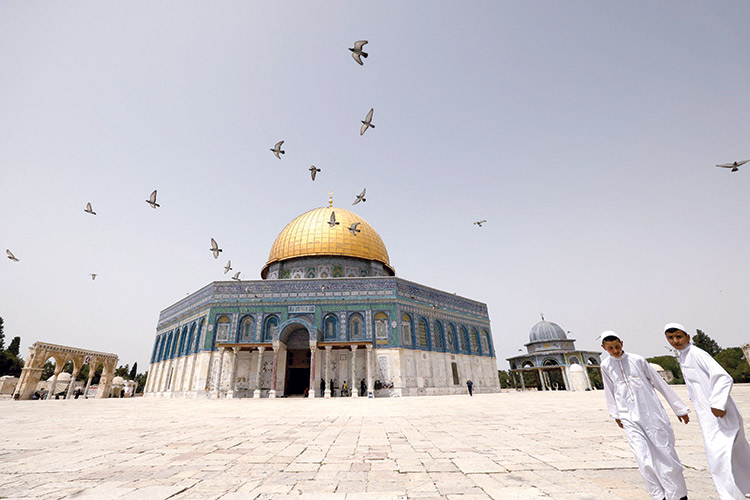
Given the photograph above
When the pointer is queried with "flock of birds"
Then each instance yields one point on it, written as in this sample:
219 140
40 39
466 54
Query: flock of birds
357 53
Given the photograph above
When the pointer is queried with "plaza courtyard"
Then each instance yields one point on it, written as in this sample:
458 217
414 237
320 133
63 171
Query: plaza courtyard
512 445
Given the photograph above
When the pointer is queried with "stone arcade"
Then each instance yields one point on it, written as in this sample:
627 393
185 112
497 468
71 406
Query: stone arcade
329 308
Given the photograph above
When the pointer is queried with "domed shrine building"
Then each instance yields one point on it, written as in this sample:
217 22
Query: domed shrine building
328 318
552 362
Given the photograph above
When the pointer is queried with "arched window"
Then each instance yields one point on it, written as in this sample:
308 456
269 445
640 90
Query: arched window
269 328
189 343
381 326
156 349
222 329
463 339
406 329
175 340
246 329
198 335
422 332
330 327
437 336
451 340
474 341
355 326
593 361
574 361
485 343
183 339
164 349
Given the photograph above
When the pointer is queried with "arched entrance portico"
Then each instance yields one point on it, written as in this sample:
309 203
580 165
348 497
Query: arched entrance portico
298 357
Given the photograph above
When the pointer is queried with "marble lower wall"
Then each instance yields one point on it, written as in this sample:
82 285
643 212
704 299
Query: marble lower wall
394 372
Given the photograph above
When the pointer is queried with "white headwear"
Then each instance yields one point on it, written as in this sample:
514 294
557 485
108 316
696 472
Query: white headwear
678 326
607 333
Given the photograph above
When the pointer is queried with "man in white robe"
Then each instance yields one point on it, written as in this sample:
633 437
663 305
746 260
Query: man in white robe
630 385
708 385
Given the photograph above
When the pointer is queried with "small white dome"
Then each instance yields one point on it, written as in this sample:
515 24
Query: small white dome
656 367
63 377
546 331
118 380
576 368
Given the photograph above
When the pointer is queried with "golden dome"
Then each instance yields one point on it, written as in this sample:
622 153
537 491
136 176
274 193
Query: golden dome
310 235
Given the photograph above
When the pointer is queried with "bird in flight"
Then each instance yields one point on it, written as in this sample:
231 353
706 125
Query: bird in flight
333 222
89 210
11 256
277 149
353 228
313 170
93 276
360 197
152 200
480 222
357 51
367 122
215 248
228 267
236 276
734 166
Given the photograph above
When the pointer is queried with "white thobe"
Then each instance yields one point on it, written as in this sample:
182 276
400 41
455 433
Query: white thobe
630 386
727 449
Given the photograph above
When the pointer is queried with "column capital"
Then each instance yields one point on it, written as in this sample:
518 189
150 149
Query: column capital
354 347
313 345
368 347
329 348
261 349
276 345
236 350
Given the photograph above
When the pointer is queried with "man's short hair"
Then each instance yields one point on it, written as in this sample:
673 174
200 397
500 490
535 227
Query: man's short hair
611 338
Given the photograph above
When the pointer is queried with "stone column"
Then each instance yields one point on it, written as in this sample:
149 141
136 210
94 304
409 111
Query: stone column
272 392
217 383
256 393
523 382
370 393
233 380
88 383
327 380
311 389
184 369
72 382
566 378
174 378
588 380
58 369
354 388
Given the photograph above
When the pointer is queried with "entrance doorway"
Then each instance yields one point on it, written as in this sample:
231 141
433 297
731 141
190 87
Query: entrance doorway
297 372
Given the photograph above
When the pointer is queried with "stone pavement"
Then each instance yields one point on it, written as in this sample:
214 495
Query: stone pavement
513 445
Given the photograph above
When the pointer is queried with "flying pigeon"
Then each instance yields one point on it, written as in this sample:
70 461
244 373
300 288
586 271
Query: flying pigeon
89 210
277 149
360 197
734 166
353 228
313 170
152 200
228 267
11 256
366 122
93 276
215 248
236 276
480 222
357 51
333 222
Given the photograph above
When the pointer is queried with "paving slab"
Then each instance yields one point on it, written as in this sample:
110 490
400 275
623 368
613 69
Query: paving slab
513 445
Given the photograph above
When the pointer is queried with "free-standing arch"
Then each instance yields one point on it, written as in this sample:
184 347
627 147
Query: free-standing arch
40 352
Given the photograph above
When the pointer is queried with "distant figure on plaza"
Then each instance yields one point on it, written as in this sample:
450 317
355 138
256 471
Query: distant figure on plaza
322 387
630 385
122 393
709 385
362 387
470 385
344 390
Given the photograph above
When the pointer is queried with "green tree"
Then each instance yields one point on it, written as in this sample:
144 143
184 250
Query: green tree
706 343
83 374
48 369
122 371
15 346
669 363
10 364
133 371
2 335
141 380
733 361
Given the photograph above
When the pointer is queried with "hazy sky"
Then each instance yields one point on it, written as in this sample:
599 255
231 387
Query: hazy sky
586 133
